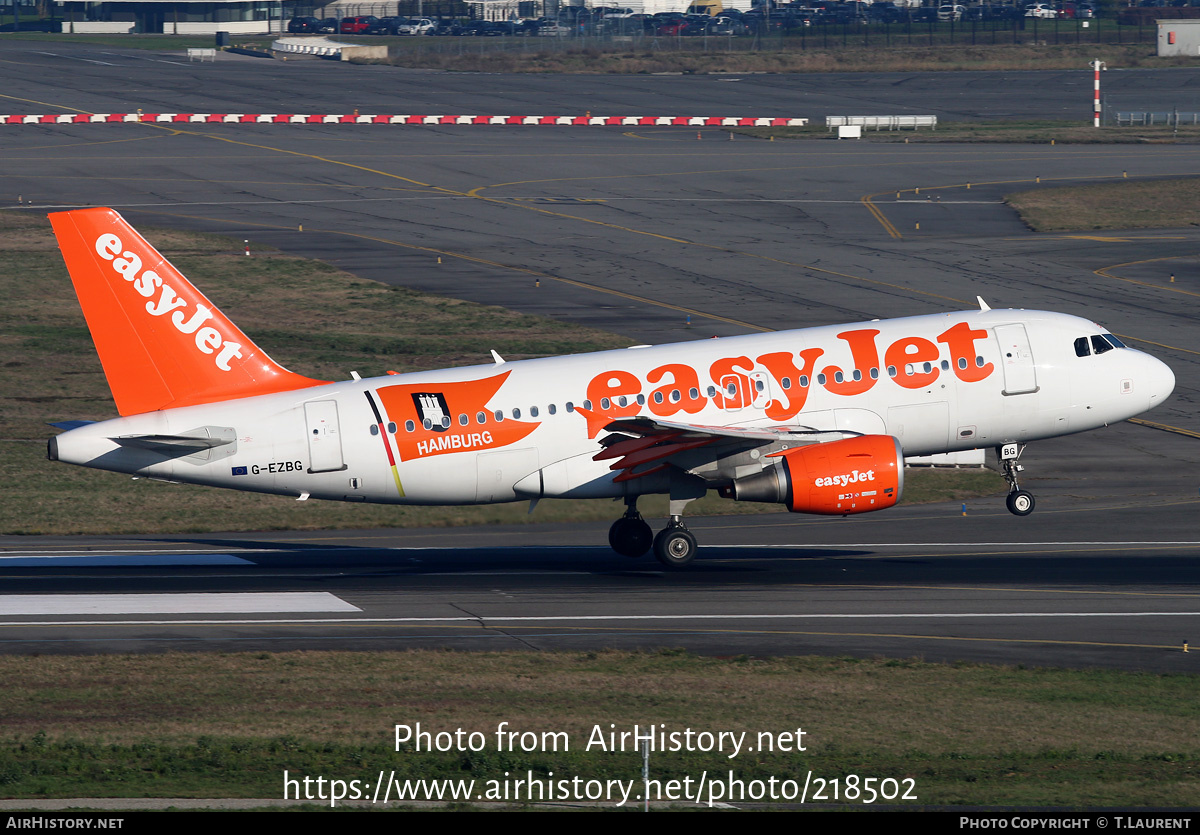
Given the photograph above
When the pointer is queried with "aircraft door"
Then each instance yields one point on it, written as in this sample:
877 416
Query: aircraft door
1020 372
324 437
741 390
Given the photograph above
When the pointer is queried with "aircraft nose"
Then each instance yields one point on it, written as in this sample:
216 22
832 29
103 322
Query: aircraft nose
1160 380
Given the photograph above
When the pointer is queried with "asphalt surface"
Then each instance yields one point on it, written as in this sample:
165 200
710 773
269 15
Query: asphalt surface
662 235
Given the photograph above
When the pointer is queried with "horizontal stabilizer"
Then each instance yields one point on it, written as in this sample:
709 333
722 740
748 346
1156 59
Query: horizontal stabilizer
68 425
171 442
194 441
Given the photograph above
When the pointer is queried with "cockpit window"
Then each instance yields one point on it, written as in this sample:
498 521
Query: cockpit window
1081 347
1100 344
1116 342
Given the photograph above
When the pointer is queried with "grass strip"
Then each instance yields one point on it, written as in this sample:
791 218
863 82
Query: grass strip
1015 132
227 725
816 51
1126 204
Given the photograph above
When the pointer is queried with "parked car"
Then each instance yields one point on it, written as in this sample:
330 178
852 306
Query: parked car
357 25
553 29
1044 10
385 26
885 12
304 26
953 13
416 26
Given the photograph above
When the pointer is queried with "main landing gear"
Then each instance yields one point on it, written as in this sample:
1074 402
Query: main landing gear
1020 502
630 536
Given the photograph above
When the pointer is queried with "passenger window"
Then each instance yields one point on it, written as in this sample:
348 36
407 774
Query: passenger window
392 428
499 415
409 426
874 373
786 382
463 420
658 397
481 417
1081 347
803 381
516 414
374 428
533 411
553 409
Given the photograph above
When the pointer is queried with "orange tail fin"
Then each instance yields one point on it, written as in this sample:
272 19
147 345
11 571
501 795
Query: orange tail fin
161 342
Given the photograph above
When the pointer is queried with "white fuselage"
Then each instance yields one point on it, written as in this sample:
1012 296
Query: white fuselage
531 428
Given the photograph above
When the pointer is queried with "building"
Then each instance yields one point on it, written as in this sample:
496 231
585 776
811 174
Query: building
174 17
1178 37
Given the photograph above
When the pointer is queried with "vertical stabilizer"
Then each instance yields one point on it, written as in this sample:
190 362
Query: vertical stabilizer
161 342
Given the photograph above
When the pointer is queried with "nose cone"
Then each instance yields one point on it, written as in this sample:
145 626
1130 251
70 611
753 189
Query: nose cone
1160 380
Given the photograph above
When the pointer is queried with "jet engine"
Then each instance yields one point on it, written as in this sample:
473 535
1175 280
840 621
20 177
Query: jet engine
837 478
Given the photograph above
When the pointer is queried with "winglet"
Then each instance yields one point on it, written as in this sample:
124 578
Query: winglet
161 342
982 304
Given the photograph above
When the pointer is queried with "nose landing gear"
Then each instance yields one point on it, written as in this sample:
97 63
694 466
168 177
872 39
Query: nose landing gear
1020 502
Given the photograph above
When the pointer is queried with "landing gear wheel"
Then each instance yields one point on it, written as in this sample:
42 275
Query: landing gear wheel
630 536
1020 503
675 547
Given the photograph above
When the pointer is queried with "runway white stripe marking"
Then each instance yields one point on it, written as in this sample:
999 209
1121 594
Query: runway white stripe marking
128 604
119 560
566 200
75 58
1008 544
127 551
489 621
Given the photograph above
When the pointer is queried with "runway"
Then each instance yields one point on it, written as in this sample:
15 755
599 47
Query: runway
638 231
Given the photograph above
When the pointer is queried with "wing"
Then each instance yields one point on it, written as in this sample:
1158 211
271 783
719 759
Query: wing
640 446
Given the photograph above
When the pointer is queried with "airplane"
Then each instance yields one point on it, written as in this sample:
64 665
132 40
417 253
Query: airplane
817 420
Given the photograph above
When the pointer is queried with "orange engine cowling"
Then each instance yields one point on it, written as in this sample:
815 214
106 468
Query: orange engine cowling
837 478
